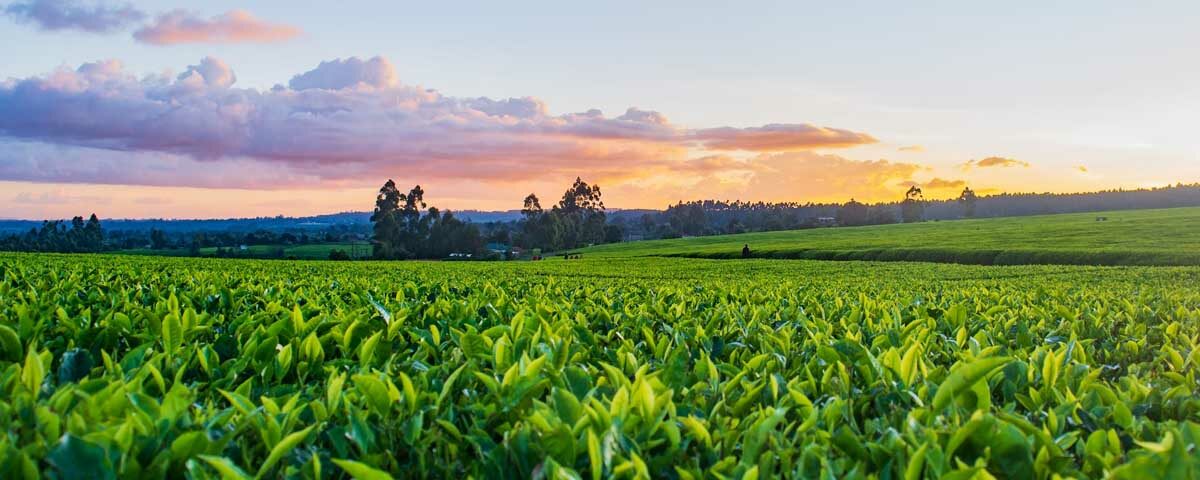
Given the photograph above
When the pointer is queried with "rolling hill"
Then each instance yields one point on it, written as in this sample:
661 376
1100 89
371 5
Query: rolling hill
1128 237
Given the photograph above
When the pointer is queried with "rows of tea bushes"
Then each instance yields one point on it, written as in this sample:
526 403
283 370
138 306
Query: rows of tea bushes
1131 237
123 367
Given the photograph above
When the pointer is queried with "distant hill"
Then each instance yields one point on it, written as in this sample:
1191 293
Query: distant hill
351 220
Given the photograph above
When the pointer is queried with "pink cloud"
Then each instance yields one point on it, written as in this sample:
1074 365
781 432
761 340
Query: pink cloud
779 137
234 26
345 121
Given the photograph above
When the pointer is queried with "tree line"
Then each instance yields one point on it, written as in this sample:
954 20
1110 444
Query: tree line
88 236
82 236
405 227
577 220
715 217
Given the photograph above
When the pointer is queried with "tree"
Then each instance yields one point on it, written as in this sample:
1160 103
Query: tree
448 234
852 213
401 231
968 199
499 234
581 197
388 222
158 239
648 224
578 219
913 207
687 218
613 233
582 212
532 208
881 215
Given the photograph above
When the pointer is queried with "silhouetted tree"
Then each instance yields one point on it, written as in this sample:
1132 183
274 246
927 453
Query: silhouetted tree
968 200
913 207
577 220
582 215
402 232
852 213
386 221
687 218
532 208
55 236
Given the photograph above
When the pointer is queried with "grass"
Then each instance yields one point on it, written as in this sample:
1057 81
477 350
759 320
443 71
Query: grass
1130 237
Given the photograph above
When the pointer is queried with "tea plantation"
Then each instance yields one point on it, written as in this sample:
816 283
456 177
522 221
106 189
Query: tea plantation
143 367
1168 236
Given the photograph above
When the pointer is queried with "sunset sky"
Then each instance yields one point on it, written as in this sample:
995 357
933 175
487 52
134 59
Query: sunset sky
234 109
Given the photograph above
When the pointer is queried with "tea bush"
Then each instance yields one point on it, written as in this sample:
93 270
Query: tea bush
137 367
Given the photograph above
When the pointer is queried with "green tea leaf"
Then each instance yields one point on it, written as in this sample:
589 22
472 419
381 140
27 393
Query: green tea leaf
362 471
964 377
75 457
282 448
226 467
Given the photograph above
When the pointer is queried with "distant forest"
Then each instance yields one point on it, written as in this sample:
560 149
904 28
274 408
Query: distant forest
714 217
578 219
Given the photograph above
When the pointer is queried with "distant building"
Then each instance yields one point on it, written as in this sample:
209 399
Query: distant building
826 221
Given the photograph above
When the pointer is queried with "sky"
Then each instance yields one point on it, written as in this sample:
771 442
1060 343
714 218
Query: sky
232 109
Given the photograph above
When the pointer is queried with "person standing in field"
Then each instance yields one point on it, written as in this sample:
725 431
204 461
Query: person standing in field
746 251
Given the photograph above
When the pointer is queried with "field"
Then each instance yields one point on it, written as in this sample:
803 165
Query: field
596 368
1128 237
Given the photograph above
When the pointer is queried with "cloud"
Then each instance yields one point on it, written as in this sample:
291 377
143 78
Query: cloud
911 148
943 184
351 72
234 26
779 137
345 121
54 15
713 164
56 197
170 28
211 72
995 162
807 175
789 176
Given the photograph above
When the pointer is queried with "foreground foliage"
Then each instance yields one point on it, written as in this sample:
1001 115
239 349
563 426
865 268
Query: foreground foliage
158 367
